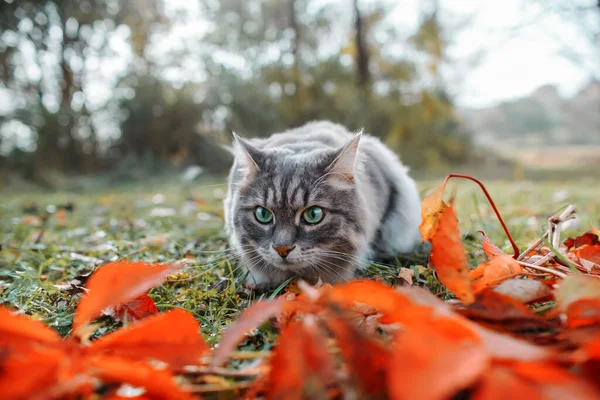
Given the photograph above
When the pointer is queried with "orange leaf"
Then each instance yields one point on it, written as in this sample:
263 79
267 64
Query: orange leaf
116 283
500 383
171 337
576 287
583 312
249 319
498 345
493 273
554 382
158 383
367 359
377 295
435 363
301 360
449 258
507 313
30 374
588 256
431 209
20 332
589 238
489 248
136 309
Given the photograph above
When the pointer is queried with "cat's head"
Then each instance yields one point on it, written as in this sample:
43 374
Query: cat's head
298 212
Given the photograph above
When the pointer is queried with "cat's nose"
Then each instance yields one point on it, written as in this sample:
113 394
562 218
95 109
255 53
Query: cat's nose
283 250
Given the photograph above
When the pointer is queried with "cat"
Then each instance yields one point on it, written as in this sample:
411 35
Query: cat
317 202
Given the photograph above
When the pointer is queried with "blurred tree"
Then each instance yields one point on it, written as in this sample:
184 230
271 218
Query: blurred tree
98 82
52 66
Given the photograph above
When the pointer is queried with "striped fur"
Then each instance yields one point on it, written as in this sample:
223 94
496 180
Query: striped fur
371 205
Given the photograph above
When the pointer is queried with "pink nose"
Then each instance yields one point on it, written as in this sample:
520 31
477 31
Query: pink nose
284 250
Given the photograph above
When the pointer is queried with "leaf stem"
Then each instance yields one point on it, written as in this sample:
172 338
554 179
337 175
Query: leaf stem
489 198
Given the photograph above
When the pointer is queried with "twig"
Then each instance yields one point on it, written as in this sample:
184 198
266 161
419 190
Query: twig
534 246
489 198
544 269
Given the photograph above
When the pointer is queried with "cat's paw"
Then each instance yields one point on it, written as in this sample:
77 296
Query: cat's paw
258 281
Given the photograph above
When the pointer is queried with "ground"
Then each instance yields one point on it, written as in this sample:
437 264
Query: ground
51 241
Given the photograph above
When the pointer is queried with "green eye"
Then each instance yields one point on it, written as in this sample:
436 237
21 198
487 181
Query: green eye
263 215
313 215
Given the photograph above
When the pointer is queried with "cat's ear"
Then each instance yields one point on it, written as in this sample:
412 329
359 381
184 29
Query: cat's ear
249 157
342 168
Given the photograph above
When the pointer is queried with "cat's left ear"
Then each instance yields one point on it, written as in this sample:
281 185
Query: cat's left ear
250 157
343 166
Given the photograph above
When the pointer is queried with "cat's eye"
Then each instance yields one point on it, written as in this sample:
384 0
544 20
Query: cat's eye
263 215
313 215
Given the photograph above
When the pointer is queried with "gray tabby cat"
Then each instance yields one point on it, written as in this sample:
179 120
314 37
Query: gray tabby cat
317 201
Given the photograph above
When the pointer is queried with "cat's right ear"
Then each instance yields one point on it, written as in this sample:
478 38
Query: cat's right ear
248 156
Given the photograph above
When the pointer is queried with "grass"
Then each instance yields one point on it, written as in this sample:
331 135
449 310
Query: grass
165 221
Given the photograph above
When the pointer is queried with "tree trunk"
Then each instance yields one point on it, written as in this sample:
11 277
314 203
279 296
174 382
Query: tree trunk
362 54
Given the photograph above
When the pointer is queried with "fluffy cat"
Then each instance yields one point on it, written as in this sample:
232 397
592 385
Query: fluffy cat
317 201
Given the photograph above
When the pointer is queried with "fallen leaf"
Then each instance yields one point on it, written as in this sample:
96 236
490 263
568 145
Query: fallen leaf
249 319
589 238
576 287
489 248
524 290
171 337
498 345
21 332
588 256
301 366
431 209
31 374
505 313
395 307
406 276
157 383
116 283
554 382
583 312
367 359
491 274
136 309
435 363
501 383
448 257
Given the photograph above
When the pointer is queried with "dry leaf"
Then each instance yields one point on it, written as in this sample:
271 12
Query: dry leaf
449 258
157 383
576 287
301 366
491 274
249 319
139 308
406 276
431 209
21 332
435 363
489 248
171 337
116 283
367 359
524 290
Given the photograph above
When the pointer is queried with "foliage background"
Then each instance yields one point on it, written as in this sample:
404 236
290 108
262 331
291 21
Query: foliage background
141 87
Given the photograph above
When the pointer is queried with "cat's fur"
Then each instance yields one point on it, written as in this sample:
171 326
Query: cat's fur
371 205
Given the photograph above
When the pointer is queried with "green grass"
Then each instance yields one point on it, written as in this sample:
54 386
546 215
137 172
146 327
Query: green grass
126 223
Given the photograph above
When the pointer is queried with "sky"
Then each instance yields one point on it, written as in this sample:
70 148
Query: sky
524 44
517 45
